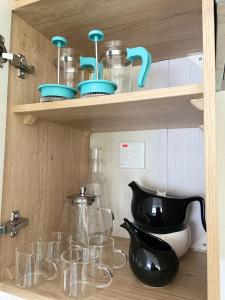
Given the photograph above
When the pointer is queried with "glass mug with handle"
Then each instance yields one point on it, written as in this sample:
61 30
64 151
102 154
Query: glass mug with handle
81 272
107 252
56 243
117 65
33 267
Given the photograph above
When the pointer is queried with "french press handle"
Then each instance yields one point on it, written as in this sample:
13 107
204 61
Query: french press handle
145 56
90 62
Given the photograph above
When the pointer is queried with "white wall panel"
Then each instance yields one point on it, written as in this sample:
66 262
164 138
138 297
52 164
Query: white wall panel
174 162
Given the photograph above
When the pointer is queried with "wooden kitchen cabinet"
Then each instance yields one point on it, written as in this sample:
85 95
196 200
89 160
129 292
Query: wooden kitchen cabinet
47 144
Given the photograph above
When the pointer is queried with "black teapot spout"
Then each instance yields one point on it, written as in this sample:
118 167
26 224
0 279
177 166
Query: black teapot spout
152 260
137 189
131 229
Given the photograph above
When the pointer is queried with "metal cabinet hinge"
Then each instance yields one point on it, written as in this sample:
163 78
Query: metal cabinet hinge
13 226
17 60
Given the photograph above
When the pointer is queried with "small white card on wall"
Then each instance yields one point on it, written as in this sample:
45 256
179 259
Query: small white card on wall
132 155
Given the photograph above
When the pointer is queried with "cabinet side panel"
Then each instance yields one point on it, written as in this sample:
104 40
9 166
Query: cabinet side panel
5 25
220 113
44 162
210 150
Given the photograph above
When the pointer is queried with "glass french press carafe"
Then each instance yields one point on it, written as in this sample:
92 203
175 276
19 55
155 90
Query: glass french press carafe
71 73
117 64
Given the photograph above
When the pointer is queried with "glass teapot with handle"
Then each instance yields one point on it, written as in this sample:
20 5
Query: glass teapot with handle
83 216
117 65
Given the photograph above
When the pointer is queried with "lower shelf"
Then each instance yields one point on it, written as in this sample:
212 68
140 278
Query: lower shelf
190 283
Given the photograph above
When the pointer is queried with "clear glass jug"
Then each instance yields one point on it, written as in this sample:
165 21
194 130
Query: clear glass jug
117 62
70 71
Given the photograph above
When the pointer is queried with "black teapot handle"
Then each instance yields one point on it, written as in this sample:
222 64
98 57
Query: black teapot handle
202 206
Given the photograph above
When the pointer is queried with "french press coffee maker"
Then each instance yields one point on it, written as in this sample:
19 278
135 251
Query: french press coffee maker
117 61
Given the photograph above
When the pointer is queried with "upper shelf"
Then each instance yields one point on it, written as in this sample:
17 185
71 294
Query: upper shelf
152 109
169 29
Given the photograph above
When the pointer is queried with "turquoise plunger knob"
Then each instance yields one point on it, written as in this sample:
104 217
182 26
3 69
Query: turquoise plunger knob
96 35
59 41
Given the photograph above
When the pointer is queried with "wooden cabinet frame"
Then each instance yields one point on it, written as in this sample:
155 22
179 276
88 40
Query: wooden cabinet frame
17 133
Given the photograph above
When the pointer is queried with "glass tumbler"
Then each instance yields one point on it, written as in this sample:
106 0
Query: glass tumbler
71 73
108 255
57 242
81 273
33 267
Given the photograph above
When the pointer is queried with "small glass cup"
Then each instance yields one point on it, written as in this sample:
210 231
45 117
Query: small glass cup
81 273
57 243
107 253
71 73
33 267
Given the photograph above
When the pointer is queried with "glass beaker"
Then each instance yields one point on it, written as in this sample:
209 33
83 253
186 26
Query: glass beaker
71 73
57 242
33 267
117 64
108 255
81 273
97 185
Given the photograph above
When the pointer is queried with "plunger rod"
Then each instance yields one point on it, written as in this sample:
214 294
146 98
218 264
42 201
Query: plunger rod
58 67
96 58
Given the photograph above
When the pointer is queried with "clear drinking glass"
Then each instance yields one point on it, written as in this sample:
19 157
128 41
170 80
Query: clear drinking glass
81 273
33 267
71 73
57 242
100 220
116 66
108 255
100 217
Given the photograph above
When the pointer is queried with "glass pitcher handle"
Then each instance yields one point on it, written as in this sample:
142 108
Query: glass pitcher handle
55 269
111 216
145 56
107 270
124 255
90 62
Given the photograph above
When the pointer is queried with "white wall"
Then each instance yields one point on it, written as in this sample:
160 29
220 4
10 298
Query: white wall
174 162
174 158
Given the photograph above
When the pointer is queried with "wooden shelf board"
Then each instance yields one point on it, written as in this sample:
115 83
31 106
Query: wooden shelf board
220 47
153 109
189 284
169 29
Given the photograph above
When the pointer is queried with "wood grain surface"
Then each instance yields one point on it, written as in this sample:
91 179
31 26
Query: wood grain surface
189 284
220 45
43 163
168 29
211 172
153 109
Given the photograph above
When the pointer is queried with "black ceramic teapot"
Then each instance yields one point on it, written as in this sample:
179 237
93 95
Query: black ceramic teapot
151 260
158 214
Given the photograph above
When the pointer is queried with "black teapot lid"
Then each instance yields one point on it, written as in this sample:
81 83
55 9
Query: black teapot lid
82 198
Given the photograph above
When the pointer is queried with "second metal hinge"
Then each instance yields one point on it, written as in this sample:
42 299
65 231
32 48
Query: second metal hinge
14 225
17 60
